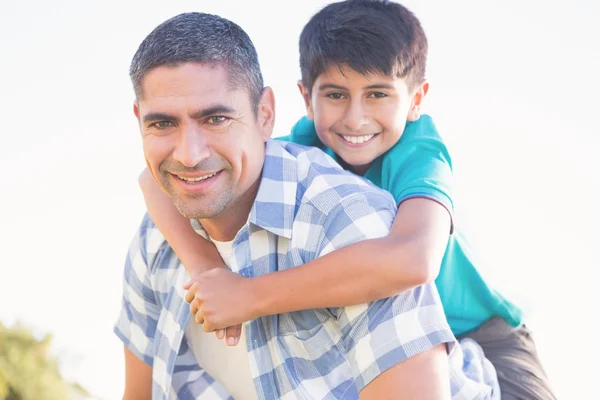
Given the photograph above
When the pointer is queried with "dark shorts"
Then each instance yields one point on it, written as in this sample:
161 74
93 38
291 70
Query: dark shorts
513 353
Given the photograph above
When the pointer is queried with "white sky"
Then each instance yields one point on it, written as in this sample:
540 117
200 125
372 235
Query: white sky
514 90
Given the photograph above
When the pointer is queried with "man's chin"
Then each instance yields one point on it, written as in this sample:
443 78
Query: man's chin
194 211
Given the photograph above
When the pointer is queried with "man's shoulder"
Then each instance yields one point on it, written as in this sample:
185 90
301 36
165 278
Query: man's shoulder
323 184
151 245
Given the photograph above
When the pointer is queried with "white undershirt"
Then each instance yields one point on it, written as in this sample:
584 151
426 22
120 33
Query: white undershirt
228 365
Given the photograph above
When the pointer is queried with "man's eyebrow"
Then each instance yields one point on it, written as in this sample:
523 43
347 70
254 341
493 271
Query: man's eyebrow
218 109
157 116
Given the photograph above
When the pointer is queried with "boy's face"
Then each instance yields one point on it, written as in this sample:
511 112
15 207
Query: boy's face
360 117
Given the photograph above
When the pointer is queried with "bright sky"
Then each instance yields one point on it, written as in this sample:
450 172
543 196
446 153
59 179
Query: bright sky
514 90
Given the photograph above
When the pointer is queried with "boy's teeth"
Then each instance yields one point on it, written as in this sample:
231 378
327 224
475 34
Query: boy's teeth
357 139
198 179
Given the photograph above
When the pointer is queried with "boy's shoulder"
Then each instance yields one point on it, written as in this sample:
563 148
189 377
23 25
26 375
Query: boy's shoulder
321 182
419 139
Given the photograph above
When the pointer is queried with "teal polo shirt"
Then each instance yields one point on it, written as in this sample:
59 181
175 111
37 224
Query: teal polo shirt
419 165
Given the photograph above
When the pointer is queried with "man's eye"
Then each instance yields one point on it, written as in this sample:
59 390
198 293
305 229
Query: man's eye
162 124
216 120
335 96
378 95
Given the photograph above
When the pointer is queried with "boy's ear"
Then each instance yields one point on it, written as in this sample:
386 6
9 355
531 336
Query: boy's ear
266 112
306 96
415 108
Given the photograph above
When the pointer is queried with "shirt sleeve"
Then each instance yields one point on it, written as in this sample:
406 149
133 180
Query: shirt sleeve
419 165
136 325
381 334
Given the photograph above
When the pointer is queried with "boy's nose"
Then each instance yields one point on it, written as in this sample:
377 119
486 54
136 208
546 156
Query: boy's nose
355 117
191 147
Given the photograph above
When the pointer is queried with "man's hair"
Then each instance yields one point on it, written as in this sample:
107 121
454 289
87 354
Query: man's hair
200 38
369 36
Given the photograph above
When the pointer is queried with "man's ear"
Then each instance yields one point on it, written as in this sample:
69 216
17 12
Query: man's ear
136 110
307 102
266 112
415 108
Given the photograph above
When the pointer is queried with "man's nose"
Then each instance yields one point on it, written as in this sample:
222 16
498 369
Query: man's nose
356 116
192 146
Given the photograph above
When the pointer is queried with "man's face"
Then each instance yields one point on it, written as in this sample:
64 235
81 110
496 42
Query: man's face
202 141
360 117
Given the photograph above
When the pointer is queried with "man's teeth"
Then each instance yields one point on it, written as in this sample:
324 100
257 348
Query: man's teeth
198 179
357 139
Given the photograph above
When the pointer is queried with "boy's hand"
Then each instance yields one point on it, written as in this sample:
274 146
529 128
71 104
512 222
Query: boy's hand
232 333
221 299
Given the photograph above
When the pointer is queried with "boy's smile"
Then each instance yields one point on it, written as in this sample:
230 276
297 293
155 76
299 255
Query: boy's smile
360 117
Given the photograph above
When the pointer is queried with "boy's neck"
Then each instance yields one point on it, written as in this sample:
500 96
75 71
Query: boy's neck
356 169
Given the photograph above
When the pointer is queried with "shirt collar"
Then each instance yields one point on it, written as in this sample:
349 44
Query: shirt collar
275 204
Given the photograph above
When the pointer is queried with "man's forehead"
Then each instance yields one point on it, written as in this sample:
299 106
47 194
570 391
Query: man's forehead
187 79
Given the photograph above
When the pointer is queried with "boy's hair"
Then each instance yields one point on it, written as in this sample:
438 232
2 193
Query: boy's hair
369 36
201 38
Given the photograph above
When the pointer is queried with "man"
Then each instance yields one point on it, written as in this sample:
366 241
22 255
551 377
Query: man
206 120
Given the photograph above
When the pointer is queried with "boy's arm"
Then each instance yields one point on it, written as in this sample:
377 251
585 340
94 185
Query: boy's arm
373 269
197 254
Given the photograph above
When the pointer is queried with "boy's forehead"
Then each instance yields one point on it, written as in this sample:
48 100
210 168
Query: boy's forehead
344 75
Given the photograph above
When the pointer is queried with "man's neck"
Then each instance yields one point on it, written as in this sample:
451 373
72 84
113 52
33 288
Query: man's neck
226 225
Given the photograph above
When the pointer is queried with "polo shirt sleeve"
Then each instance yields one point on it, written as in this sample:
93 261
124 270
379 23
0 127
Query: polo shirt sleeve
137 322
419 165
304 133
381 334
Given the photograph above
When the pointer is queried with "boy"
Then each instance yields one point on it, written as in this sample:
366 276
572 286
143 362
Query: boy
363 77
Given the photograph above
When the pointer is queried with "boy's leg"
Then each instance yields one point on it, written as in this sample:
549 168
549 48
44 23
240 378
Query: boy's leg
513 353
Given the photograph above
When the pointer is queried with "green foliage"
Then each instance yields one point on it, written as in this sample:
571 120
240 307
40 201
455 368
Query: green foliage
27 369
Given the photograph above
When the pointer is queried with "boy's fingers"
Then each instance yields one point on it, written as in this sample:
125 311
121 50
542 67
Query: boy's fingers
193 307
188 284
220 333
189 295
233 335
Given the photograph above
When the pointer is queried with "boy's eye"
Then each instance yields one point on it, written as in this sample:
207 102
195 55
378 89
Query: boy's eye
378 95
335 96
216 120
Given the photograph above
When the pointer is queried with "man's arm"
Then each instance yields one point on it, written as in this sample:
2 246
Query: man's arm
136 326
424 376
138 378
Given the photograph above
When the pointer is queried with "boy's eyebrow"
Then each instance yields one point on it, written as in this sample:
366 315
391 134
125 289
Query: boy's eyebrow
388 86
326 86
381 86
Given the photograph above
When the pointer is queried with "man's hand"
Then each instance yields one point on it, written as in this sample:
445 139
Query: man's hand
221 299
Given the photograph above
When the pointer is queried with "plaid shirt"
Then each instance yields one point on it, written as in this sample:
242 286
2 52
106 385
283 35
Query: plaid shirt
306 207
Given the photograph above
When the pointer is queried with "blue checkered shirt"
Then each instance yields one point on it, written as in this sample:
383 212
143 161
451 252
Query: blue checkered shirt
306 207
